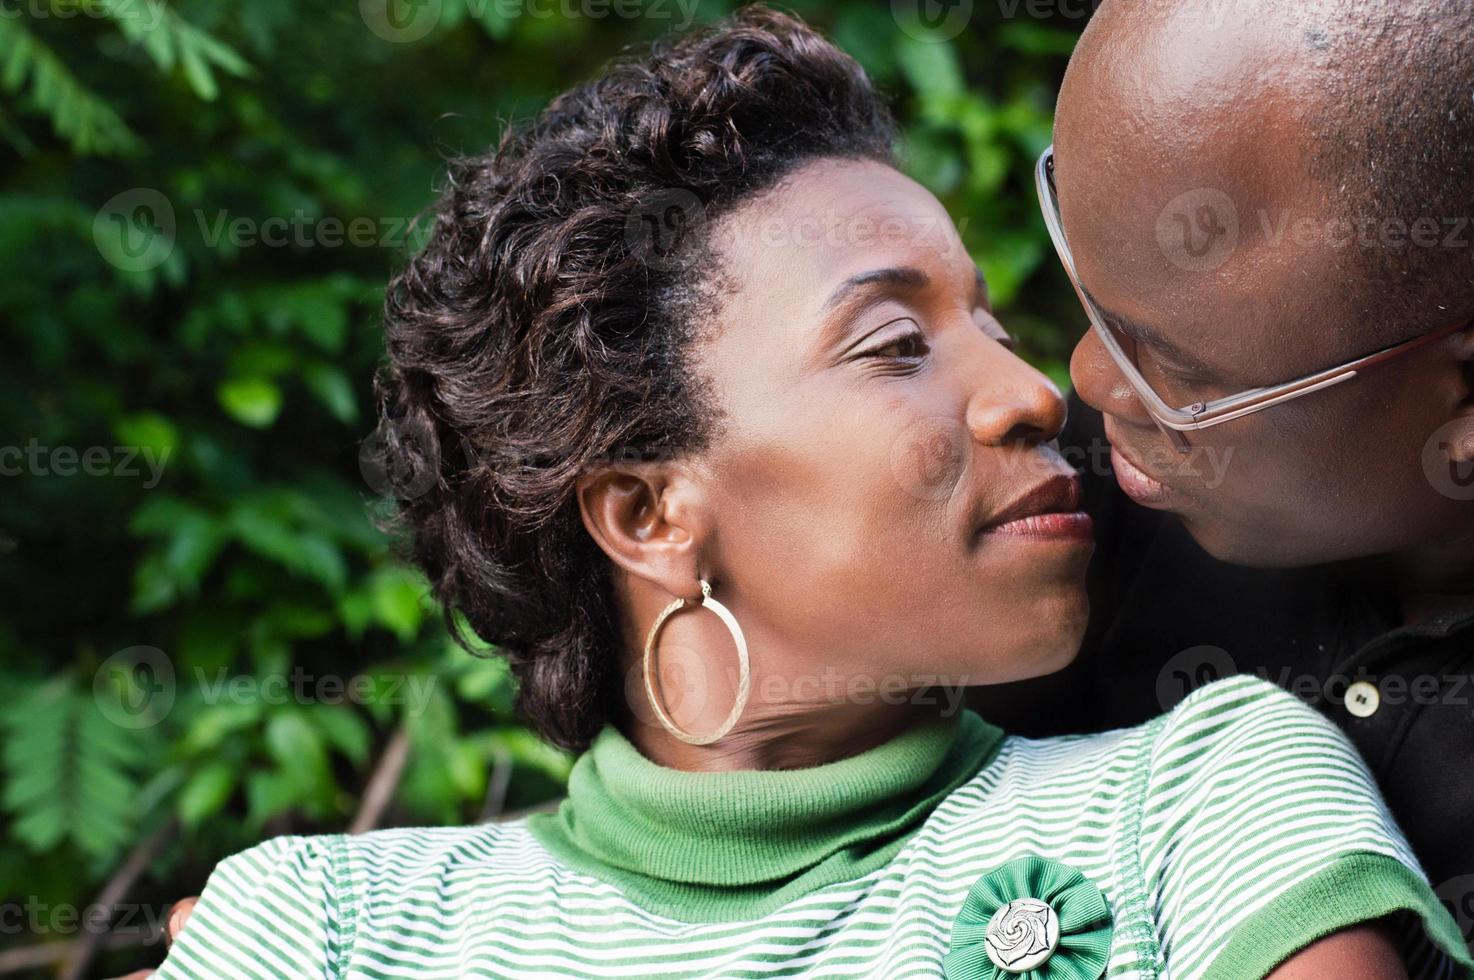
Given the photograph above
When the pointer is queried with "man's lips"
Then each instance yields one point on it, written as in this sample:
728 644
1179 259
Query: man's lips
1138 484
1049 510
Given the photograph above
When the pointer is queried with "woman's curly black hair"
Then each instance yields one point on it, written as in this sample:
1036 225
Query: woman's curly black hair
546 326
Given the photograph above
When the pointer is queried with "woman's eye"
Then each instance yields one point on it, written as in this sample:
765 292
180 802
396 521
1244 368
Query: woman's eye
994 329
908 347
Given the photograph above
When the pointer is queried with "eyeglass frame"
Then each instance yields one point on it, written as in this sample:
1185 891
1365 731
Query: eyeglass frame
1201 415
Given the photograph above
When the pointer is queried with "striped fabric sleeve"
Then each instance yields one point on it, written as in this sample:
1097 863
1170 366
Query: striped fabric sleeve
271 911
1262 831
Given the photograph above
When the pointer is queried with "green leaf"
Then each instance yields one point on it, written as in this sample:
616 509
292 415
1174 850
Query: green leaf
69 773
931 67
1034 38
270 794
344 729
929 156
398 595
205 793
333 389
356 608
165 36
270 534
318 311
297 748
153 586
148 430
192 548
78 115
255 402
485 680
158 514
213 726
197 72
467 769
1006 262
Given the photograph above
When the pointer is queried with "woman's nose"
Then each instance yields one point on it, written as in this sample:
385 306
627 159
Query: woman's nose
1101 384
1018 405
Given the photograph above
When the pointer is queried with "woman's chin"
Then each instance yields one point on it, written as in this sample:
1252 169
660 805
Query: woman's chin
1061 629
1042 638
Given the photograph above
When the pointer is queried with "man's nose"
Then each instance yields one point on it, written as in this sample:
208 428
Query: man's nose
1101 384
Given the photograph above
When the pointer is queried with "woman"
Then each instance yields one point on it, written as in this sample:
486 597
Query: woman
709 428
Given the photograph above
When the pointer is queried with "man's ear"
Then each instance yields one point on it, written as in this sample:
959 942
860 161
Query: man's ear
648 521
1462 450
1465 353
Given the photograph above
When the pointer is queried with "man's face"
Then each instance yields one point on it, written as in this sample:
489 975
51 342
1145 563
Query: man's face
1185 196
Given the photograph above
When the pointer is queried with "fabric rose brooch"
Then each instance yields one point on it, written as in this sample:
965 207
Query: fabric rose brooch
1034 918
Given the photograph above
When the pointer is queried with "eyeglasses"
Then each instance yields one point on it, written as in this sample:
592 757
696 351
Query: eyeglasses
1200 415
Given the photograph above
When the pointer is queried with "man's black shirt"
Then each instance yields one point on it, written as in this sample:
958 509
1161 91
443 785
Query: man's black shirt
1166 617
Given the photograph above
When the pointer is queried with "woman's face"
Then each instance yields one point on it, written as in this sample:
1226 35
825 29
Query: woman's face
878 436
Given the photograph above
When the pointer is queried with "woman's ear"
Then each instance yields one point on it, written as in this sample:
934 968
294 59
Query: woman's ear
648 521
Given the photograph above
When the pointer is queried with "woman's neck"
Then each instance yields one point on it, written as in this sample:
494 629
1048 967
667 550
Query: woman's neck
772 737
797 714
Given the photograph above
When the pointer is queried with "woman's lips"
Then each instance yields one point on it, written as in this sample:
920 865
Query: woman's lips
1048 511
1137 484
1058 526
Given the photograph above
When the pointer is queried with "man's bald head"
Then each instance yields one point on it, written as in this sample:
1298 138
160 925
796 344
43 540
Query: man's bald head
1354 118
1255 191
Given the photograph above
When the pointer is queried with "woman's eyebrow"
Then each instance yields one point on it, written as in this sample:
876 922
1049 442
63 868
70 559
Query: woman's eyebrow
904 278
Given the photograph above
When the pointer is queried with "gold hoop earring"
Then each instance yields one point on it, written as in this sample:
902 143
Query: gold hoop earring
744 679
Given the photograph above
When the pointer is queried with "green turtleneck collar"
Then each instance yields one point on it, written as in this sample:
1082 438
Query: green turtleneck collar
720 846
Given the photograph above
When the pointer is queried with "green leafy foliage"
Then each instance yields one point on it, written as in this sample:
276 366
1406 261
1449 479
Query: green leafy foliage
70 778
29 67
202 203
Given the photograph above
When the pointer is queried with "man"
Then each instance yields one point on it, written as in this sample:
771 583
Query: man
1252 193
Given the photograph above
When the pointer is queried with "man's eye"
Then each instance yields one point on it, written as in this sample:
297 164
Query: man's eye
1185 376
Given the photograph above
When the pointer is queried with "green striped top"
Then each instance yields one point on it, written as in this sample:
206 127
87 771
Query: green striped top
1223 837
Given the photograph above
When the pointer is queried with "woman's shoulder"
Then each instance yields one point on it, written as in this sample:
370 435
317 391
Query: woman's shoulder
1241 825
1226 717
294 903
1217 724
1247 747
1237 696
1261 830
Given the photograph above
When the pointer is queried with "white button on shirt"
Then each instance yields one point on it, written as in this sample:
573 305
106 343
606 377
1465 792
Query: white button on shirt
1363 699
